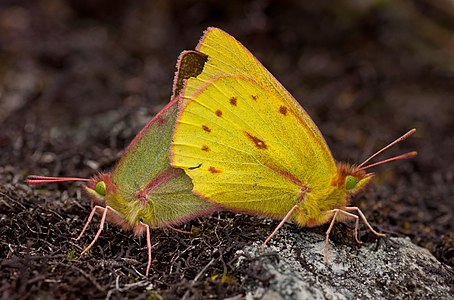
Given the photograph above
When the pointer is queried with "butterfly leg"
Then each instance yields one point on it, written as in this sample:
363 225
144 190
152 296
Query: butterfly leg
328 232
336 212
354 208
147 230
93 211
280 225
101 227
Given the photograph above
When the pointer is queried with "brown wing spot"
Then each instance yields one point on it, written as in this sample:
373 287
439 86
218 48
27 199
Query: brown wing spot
205 148
206 128
161 120
214 170
258 142
254 97
218 113
233 101
283 110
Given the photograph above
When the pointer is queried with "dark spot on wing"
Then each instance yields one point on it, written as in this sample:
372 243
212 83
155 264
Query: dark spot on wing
254 97
258 142
283 110
206 128
161 120
218 113
233 101
205 148
214 170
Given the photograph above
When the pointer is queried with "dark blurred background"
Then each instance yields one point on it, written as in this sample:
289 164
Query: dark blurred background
78 79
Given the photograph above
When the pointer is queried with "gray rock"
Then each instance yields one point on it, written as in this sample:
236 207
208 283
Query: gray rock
396 269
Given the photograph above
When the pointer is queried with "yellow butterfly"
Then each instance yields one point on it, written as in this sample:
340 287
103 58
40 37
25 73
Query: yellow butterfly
248 145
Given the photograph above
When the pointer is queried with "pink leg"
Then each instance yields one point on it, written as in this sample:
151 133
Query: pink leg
279 226
356 224
101 227
364 219
89 220
336 212
147 229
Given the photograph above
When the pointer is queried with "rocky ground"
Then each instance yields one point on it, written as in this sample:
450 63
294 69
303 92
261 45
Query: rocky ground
78 80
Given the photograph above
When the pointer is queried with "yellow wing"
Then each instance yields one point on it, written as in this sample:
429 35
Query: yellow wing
242 138
227 56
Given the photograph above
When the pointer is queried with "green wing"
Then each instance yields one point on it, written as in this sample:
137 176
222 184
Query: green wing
148 189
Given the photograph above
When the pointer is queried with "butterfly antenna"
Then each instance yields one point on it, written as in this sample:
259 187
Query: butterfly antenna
36 179
403 156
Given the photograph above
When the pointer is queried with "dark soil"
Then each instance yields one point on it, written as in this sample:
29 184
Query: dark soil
78 79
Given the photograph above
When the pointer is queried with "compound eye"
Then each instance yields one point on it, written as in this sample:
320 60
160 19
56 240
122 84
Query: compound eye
101 188
350 182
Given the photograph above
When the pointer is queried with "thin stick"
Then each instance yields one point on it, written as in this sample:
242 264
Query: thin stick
402 138
179 230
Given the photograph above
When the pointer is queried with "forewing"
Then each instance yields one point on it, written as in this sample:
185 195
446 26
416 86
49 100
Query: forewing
242 138
227 56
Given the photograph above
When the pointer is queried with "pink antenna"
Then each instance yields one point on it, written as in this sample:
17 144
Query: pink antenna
36 179
403 156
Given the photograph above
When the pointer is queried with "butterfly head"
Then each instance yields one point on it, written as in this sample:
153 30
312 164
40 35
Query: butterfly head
354 184
99 188
351 178
355 178
102 191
